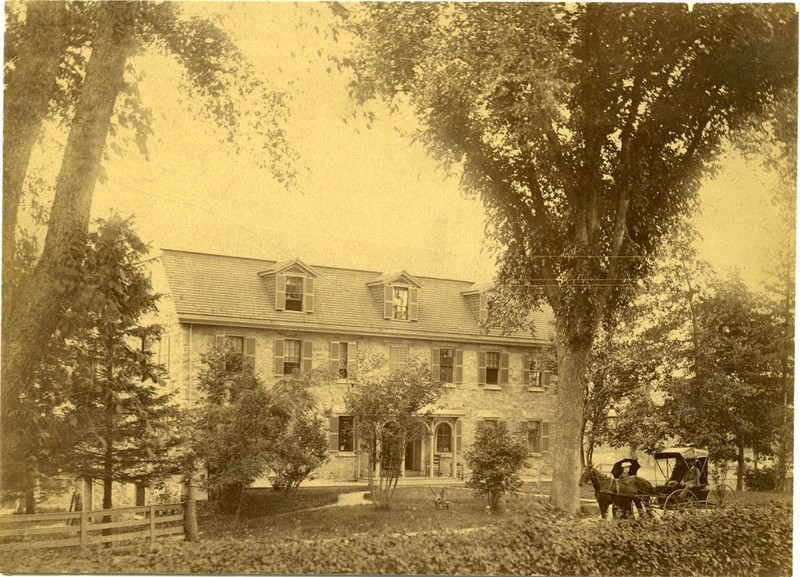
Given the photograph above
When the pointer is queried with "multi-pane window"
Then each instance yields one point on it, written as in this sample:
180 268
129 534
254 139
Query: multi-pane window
342 360
346 434
235 344
534 436
294 293
400 303
446 357
535 368
492 368
444 438
291 356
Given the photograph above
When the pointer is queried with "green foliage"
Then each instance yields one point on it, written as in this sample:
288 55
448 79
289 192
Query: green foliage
586 131
765 478
389 410
303 447
494 461
98 407
719 543
236 426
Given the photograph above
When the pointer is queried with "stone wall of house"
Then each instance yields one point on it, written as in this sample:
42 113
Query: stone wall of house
468 401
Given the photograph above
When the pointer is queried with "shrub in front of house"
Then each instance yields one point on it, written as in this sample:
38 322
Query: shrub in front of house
495 460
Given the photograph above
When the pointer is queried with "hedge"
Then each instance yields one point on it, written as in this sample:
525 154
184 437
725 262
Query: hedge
743 541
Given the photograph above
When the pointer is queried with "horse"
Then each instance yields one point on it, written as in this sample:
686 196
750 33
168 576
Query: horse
610 491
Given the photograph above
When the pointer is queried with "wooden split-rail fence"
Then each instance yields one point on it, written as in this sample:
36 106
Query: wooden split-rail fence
81 528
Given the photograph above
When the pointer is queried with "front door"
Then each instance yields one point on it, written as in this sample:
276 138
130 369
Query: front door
413 459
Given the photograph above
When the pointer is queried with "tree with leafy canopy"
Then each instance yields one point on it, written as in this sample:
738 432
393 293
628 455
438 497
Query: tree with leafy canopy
97 407
585 129
125 421
70 63
389 409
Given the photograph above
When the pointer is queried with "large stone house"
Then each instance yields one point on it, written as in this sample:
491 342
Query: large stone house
289 315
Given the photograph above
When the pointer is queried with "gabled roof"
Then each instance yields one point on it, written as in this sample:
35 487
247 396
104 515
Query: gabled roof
398 277
478 288
224 290
290 265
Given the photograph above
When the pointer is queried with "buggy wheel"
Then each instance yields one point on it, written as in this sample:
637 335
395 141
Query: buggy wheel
679 501
720 496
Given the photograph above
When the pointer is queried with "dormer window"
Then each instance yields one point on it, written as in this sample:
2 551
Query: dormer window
293 285
294 293
400 303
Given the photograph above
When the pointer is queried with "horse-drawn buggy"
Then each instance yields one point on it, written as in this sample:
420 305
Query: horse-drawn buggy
682 483
683 472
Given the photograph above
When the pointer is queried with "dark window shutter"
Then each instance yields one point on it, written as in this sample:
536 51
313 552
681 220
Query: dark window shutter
387 302
250 352
352 361
278 370
483 311
479 427
435 359
503 369
481 368
280 292
308 306
333 437
458 368
526 370
308 355
413 307
220 342
458 436
545 437
546 375
335 358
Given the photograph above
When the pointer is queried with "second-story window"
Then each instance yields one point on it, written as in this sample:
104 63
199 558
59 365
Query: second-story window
291 356
294 293
342 360
400 303
492 368
446 365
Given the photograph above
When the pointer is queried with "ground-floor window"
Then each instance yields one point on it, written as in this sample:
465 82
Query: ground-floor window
444 438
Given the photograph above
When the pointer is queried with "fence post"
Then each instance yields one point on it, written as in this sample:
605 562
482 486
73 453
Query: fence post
152 514
190 515
84 528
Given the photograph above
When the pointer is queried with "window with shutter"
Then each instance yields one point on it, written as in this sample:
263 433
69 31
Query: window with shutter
335 358
503 369
458 367
398 356
492 368
444 438
279 368
308 356
309 295
250 352
346 434
458 436
446 365
387 302
413 306
333 434
481 368
435 363
534 436
545 436
526 370
352 360
280 292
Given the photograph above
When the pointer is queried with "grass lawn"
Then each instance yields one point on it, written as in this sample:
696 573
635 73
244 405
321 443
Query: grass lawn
305 515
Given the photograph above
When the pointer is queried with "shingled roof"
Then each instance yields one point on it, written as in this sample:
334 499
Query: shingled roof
225 290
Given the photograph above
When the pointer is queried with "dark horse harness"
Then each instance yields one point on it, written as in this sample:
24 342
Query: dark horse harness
615 492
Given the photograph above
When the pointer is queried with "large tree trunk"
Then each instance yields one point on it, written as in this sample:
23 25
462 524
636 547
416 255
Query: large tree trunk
36 309
573 358
30 85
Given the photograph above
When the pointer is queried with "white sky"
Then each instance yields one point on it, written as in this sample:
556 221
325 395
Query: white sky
369 200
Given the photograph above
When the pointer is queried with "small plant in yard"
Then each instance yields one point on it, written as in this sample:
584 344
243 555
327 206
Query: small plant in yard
495 461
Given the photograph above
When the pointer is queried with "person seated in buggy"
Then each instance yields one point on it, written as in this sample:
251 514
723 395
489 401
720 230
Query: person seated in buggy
685 477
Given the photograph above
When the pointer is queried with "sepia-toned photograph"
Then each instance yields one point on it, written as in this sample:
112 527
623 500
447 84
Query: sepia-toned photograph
410 288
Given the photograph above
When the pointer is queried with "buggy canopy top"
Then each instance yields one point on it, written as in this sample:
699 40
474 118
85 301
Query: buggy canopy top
687 453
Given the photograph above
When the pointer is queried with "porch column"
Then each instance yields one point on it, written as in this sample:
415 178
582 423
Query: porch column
453 448
433 447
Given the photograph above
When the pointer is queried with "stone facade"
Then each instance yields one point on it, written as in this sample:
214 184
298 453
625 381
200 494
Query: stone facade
197 318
